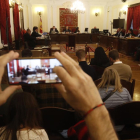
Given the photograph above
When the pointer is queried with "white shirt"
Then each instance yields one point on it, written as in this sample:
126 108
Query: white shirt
39 134
119 62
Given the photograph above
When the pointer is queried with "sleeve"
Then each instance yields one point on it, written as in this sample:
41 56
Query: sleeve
92 62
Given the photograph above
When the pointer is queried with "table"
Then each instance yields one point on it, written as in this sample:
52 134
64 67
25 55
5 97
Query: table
124 46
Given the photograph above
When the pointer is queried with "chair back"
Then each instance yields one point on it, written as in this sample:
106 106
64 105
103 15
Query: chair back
126 84
126 114
55 119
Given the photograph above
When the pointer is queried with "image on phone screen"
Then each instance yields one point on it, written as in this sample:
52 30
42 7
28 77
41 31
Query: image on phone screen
32 71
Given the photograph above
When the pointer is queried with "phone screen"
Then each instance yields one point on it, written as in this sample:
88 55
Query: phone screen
32 71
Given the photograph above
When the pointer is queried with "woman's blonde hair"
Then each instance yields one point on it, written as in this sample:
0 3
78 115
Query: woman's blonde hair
111 77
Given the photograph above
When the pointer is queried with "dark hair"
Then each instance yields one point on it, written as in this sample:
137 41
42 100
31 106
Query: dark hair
131 31
28 29
23 112
26 53
23 78
114 54
100 56
34 28
80 53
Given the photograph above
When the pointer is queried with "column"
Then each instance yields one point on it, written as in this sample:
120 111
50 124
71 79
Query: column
54 7
105 18
12 24
87 16
82 23
25 16
30 16
110 19
49 17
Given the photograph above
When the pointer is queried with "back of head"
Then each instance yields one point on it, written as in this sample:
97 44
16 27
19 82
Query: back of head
23 112
34 28
111 77
27 53
114 54
100 56
81 54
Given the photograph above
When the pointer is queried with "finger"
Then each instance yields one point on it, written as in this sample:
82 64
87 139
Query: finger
61 89
63 75
68 65
7 92
8 57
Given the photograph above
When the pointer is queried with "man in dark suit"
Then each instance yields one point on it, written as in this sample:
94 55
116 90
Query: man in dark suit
130 33
35 32
67 30
30 39
85 67
119 33
53 30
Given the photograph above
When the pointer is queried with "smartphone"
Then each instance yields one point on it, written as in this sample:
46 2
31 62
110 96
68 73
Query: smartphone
32 71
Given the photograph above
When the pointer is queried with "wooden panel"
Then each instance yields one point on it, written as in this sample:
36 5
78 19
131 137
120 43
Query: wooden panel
54 38
83 38
63 38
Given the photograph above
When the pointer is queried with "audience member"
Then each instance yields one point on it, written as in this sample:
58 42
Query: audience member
129 34
24 119
26 53
82 99
67 30
35 32
81 55
53 30
112 92
100 58
77 30
123 70
31 40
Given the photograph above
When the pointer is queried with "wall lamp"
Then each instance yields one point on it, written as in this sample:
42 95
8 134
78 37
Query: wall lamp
124 9
39 10
12 3
97 12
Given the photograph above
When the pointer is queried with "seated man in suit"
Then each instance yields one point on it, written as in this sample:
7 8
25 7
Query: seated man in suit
30 39
123 70
35 32
119 32
82 62
53 30
77 30
67 30
129 34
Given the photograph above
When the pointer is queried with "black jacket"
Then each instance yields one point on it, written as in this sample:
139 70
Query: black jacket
104 65
35 34
52 30
28 37
76 31
119 33
88 69
127 35
67 30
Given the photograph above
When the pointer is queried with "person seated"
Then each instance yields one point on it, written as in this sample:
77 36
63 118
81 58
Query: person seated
53 30
81 55
35 32
123 70
100 58
24 79
129 34
24 119
31 40
26 53
119 32
67 30
138 33
77 30
111 85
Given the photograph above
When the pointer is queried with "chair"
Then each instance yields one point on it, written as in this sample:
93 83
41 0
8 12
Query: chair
128 85
71 42
127 114
99 70
55 119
